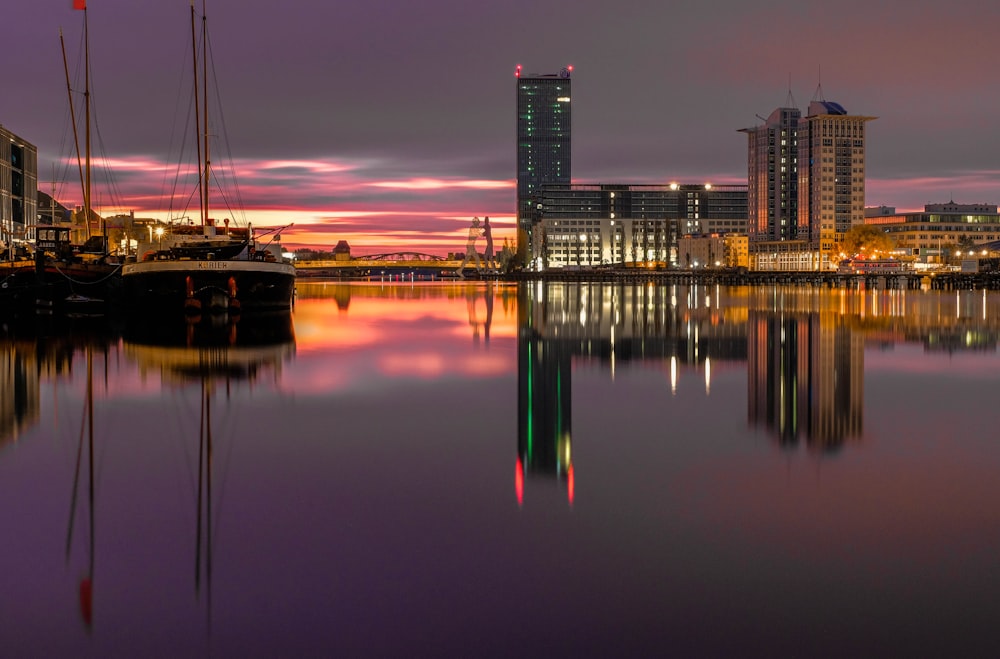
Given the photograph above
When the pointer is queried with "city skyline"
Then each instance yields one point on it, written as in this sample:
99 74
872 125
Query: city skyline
389 125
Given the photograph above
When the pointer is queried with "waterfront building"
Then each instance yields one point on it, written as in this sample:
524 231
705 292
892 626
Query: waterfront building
772 175
544 148
18 187
940 231
831 176
806 180
621 223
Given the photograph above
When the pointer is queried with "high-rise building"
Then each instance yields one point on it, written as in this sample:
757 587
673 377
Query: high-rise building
806 180
543 147
18 186
773 183
831 174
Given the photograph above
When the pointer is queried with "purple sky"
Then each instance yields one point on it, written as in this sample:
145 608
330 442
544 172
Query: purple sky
390 123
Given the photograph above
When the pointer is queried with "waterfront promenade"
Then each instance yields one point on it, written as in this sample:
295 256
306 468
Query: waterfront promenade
437 269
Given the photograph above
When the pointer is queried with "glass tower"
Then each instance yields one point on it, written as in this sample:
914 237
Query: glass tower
543 147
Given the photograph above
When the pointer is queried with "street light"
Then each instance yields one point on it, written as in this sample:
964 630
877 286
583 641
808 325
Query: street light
159 237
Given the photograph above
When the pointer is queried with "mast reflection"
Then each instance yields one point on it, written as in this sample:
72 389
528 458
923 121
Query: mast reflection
213 355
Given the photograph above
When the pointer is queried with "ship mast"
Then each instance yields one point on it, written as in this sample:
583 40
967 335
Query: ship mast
204 82
202 189
84 177
86 130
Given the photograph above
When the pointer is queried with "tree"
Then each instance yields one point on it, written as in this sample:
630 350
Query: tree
966 243
867 240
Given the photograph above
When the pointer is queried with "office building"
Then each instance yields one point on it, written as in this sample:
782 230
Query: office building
544 148
609 224
18 186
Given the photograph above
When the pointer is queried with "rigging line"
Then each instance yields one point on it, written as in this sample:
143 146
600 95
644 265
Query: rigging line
76 135
87 283
180 172
114 192
117 199
178 139
228 147
175 142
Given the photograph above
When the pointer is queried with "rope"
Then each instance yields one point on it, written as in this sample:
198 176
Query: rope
87 283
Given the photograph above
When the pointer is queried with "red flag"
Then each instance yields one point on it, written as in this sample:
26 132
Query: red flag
79 4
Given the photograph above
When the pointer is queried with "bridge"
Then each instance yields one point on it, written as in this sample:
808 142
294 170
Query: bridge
389 263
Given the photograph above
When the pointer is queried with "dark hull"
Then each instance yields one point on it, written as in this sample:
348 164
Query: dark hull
207 287
59 288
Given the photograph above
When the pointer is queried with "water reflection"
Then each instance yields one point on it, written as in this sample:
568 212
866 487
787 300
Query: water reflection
805 367
214 355
803 350
274 490
37 350
211 357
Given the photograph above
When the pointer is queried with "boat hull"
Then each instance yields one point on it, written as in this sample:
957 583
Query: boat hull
58 287
207 286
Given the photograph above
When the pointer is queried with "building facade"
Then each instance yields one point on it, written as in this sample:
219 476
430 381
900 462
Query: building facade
940 231
713 251
544 148
609 224
831 175
772 175
806 178
18 186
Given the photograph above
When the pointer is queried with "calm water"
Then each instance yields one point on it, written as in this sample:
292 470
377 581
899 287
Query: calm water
487 470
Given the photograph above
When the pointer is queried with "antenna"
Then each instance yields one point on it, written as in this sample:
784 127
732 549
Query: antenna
818 96
790 100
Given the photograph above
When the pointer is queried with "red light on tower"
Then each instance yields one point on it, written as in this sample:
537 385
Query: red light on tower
570 67
517 71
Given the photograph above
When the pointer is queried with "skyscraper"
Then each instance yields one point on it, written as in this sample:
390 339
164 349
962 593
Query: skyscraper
543 147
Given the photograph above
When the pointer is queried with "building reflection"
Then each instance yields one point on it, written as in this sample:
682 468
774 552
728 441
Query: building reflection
804 351
610 325
805 372
35 352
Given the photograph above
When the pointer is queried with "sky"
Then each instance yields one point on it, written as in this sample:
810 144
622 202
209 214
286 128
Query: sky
391 123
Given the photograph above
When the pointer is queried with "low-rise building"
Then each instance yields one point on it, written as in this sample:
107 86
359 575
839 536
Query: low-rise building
940 231
611 224
713 251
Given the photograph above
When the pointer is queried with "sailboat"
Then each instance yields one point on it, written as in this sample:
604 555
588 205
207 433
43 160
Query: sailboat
209 267
63 277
